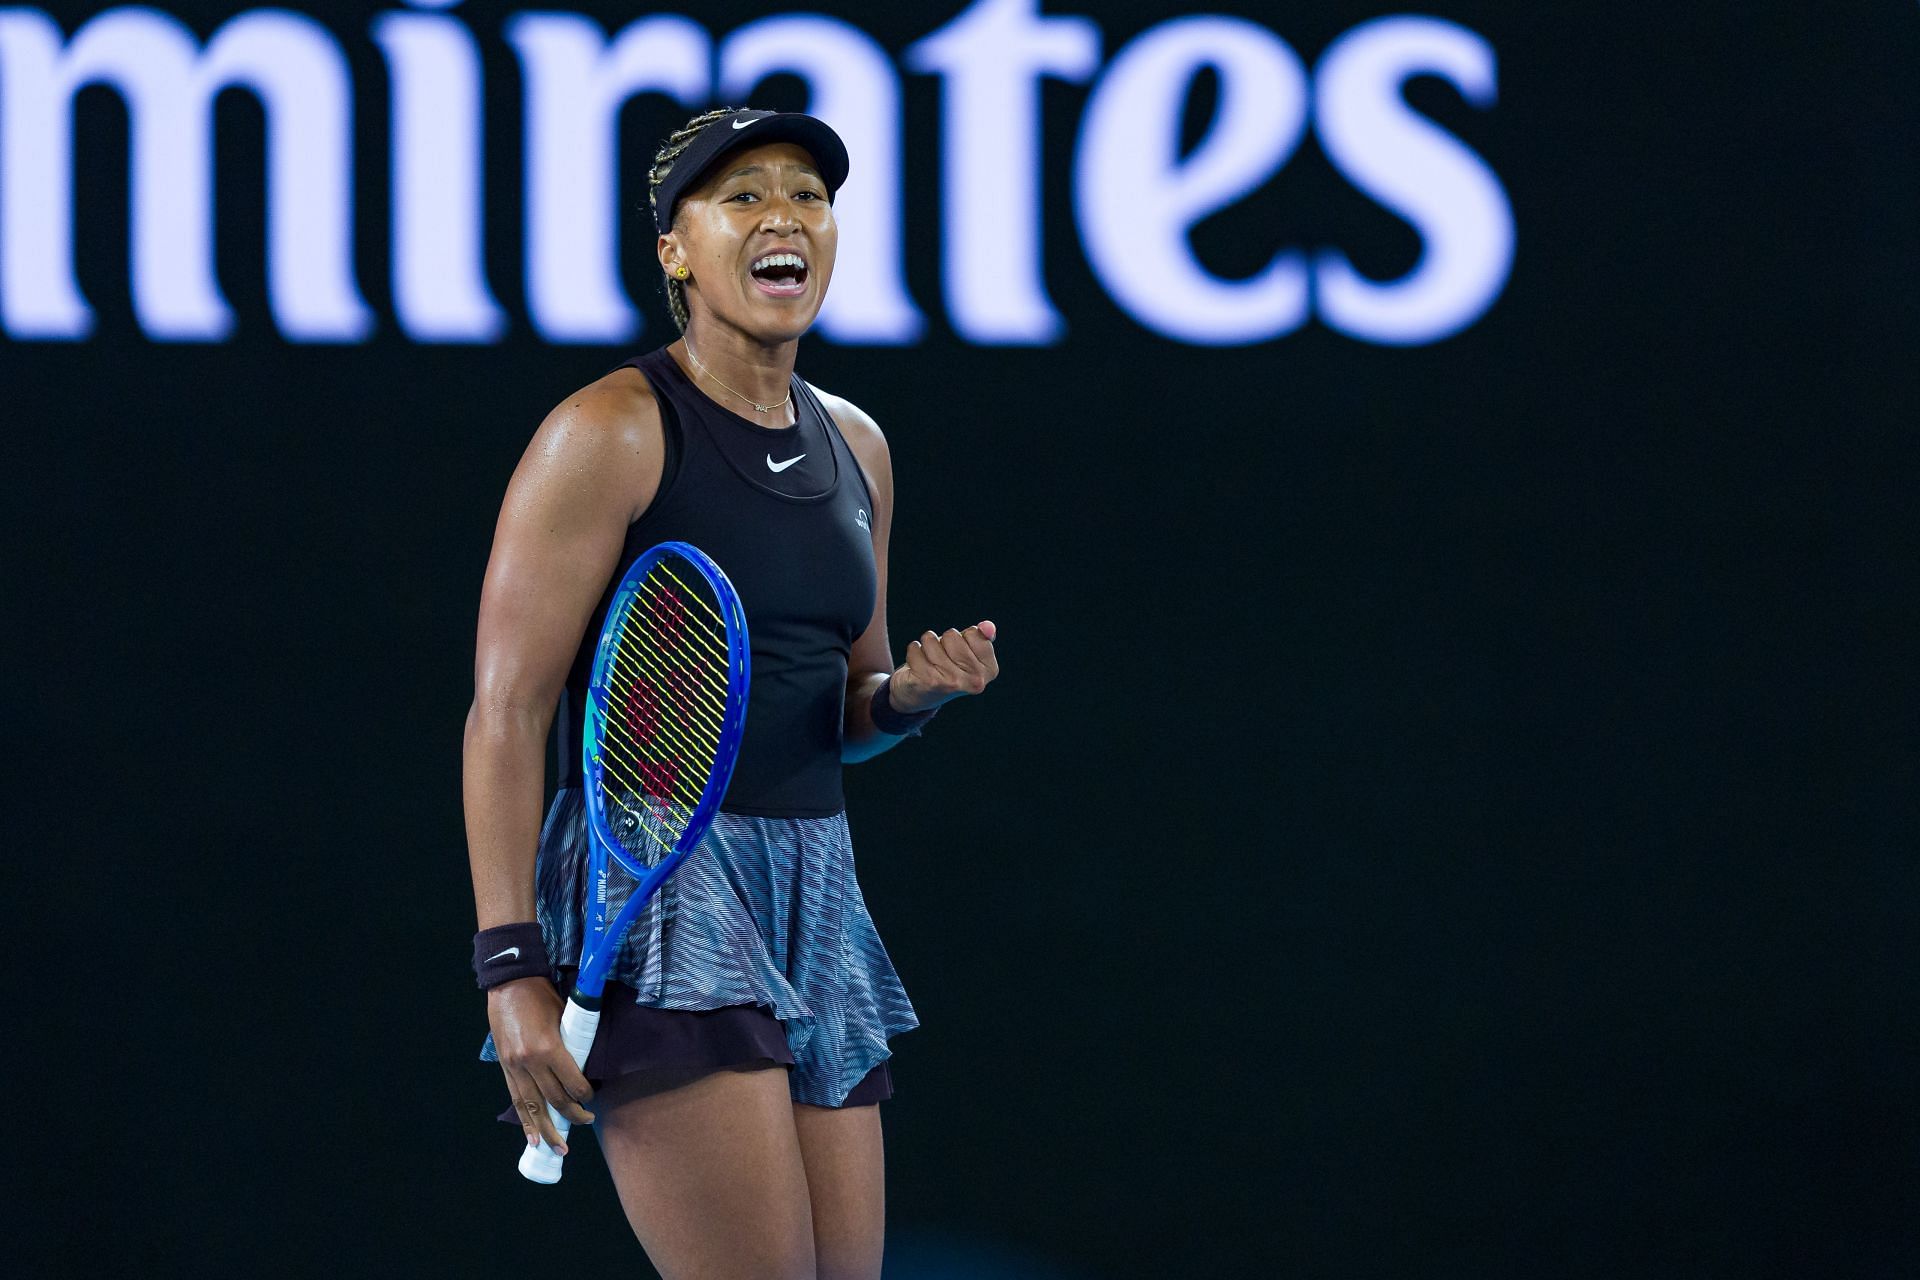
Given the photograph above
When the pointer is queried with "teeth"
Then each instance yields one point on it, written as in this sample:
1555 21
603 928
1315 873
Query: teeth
780 260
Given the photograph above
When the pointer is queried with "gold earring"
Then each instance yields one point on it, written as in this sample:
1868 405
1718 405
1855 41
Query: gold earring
681 271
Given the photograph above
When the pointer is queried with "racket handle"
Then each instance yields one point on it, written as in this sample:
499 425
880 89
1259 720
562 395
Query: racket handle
540 1162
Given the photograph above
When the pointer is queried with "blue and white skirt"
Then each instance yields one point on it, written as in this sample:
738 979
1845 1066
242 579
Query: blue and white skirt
764 915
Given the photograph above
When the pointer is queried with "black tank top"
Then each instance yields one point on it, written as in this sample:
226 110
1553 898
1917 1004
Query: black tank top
785 513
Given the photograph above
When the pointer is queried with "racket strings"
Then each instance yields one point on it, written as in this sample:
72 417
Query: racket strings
648 779
678 627
655 655
669 610
669 623
648 832
663 705
653 810
690 700
699 598
646 760
686 677
647 721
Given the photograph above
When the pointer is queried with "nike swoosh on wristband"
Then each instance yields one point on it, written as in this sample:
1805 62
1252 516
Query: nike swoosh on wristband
778 467
510 951
741 124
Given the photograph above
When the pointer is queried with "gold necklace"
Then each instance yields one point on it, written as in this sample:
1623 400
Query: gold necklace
758 407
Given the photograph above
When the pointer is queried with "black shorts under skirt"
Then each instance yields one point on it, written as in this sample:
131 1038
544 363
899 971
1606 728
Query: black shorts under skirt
637 1037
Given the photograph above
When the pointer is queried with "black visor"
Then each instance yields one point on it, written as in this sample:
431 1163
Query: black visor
748 129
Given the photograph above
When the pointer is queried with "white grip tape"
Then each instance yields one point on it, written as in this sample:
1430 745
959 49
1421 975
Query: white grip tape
540 1162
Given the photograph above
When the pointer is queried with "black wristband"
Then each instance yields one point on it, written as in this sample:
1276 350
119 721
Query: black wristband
900 724
509 951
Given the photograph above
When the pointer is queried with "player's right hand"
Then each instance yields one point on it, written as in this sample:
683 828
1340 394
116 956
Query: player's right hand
525 1015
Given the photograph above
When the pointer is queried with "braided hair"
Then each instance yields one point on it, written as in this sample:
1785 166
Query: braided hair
663 160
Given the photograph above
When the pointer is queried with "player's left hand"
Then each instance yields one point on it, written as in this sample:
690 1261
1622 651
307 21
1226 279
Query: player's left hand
942 667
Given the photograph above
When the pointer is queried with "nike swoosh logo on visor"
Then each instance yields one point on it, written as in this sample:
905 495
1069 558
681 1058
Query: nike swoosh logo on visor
510 951
741 124
778 467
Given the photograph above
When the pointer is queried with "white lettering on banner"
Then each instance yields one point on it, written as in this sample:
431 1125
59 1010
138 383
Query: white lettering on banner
991 59
439 273
296 70
1417 170
1136 196
853 87
576 85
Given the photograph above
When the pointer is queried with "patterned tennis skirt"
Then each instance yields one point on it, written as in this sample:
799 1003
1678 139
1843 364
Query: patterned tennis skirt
763 921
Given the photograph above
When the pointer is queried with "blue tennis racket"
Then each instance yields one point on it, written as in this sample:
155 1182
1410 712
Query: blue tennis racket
666 705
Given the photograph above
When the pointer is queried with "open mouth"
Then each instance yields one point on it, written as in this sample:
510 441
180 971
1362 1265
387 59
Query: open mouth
780 275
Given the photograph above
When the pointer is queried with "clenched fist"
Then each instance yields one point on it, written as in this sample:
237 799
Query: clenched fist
941 668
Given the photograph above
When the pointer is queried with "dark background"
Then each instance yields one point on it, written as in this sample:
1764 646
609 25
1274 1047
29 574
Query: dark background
1446 812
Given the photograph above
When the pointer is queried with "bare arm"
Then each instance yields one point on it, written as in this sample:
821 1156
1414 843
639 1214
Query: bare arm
595 461
871 660
939 667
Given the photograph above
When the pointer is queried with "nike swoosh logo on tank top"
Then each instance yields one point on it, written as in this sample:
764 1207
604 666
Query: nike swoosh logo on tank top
793 545
794 462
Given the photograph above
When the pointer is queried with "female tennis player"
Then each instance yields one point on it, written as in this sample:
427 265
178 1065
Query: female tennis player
743 1044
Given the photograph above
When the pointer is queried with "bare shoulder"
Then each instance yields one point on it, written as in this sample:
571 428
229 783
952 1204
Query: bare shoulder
613 414
604 440
861 431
